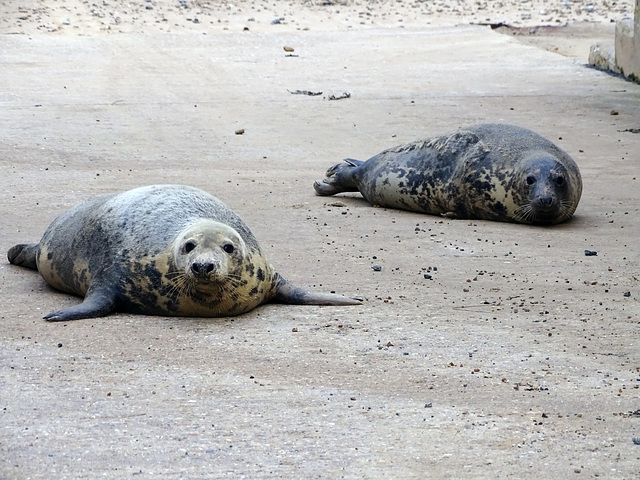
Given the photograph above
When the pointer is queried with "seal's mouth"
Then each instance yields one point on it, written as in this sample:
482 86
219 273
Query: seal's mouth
545 216
213 284
544 213
537 212
215 289
207 285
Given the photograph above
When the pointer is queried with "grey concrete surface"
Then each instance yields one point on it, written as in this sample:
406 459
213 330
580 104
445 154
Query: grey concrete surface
518 359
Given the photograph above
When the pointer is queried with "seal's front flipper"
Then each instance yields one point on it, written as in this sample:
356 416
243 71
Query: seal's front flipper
340 178
288 293
23 255
97 303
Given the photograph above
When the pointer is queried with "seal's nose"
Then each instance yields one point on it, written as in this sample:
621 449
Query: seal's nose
202 269
545 201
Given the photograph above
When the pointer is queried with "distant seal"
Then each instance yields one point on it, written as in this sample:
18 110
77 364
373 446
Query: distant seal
158 250
491 172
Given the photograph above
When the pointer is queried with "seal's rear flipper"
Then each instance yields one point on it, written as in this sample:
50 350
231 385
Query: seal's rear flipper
23 255
288 293
340 178
97 303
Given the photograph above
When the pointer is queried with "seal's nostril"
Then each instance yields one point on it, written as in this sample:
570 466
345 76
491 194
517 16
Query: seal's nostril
202 269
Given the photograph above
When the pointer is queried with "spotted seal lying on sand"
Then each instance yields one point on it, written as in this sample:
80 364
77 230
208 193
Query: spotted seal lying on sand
491 172
158 250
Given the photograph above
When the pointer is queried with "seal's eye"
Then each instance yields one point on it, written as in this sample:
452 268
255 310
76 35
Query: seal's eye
190 245
531 180
559 181
227 247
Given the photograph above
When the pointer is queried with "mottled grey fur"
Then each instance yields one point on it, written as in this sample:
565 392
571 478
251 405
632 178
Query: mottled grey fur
158 250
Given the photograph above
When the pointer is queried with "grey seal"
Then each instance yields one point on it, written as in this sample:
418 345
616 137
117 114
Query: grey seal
159 250
490 171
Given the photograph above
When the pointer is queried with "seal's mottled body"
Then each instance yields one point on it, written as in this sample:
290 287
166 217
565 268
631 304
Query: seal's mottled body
158 250
491 172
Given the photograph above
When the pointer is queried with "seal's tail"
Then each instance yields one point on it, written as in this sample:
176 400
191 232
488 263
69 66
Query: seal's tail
340 178
24 255
285 292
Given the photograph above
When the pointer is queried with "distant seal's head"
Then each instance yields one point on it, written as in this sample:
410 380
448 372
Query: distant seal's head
547 191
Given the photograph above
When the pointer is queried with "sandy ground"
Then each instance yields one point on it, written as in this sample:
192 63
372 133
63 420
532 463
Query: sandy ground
482 349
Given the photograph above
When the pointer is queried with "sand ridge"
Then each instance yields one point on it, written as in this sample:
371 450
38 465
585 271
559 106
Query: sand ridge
94 17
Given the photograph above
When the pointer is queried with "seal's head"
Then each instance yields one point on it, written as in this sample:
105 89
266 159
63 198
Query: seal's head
207 256
552 190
